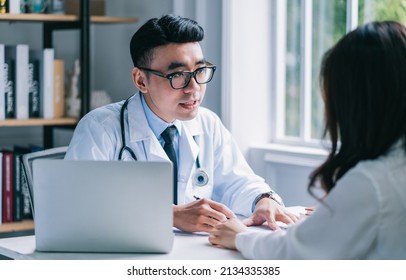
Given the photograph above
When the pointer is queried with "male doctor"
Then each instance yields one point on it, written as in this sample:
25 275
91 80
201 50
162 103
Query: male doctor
214 180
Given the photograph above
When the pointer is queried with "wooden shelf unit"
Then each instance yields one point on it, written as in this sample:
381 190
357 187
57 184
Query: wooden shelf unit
55 22
17 226
38 122
63 18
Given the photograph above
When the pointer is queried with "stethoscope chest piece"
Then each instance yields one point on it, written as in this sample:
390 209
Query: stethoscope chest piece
201 178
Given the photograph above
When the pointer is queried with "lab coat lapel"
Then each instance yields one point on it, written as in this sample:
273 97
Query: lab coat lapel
188 152
142 139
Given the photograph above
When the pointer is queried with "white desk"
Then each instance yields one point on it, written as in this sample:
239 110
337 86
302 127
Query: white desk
187 246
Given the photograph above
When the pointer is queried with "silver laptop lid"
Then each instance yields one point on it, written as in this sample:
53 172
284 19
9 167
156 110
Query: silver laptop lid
103 206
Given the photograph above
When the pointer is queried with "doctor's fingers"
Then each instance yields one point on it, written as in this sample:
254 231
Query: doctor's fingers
205 223
253 221
203 228
287 218
211 216
208 223
272 224
219 207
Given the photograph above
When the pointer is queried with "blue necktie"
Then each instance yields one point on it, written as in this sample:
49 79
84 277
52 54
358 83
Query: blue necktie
168 136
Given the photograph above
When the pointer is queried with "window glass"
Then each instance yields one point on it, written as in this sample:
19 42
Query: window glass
329 25
293 59
370 10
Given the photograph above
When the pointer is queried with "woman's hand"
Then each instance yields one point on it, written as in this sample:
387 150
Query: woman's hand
224 234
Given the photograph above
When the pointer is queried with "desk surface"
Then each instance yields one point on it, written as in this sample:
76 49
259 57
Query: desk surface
186 246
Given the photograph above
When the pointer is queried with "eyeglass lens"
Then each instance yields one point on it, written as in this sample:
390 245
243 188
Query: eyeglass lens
182 79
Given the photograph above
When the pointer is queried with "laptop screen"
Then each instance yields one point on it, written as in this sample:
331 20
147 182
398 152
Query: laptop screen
103 206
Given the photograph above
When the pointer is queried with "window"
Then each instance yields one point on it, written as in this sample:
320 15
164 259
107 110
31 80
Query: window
305 31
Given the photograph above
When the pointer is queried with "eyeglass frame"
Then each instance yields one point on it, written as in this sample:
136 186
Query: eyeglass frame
190 74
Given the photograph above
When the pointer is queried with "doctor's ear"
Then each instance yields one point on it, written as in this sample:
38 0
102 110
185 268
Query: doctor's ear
139 79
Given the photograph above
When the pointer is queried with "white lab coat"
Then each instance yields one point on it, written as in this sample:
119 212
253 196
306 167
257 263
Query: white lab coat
363 217
231 181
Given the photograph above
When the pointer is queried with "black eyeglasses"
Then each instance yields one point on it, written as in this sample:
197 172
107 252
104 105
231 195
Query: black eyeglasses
181 79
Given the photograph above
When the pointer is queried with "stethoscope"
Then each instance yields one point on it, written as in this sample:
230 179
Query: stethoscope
200 178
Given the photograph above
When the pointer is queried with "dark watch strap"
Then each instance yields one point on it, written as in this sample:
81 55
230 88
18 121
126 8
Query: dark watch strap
272 195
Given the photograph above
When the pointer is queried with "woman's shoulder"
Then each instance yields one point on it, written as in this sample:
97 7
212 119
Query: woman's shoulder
392 161
385 176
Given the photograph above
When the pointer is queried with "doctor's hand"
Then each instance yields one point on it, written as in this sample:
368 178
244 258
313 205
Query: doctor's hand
223 235
268 210
200 215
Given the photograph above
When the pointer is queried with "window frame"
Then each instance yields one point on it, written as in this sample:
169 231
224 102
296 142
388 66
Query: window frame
279 71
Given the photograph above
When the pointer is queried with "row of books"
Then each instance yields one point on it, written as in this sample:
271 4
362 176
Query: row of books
14 193
10 7
31 6
97 7
32 83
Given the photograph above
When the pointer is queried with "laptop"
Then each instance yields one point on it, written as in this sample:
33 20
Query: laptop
103 206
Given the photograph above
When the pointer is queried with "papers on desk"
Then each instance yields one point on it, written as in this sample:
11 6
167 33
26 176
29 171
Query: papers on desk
299 211
180 232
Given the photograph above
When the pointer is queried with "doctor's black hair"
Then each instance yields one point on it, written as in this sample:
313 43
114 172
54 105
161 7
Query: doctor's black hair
363 86
162 31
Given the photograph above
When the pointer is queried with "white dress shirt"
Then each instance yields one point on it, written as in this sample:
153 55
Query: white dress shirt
363 217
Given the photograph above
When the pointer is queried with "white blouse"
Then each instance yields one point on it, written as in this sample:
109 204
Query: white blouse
363 217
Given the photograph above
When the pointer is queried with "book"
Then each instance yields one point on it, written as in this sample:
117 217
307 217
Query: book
59 88
18 200
97 7
2 84
9 88
57 7
4 6
25 188
33 89
1 184
46 74
26 212
14 6
26 166
20 55
7 210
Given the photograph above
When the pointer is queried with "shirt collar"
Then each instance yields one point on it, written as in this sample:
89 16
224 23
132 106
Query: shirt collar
156 124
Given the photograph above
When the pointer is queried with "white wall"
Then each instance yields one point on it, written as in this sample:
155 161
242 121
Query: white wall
287 170
110 51
246 58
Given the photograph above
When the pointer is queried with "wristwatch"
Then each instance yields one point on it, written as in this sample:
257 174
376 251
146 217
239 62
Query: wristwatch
272 195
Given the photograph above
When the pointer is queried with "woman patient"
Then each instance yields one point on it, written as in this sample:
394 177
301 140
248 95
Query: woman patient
363 215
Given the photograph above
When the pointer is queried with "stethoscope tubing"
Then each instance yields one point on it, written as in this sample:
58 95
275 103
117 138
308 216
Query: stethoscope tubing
200 179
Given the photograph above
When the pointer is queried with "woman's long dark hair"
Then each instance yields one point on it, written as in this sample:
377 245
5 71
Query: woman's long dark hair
363 84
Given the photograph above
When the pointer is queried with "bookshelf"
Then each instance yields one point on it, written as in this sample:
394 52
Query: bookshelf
51 23
16 227
54 22
38 122
63 18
